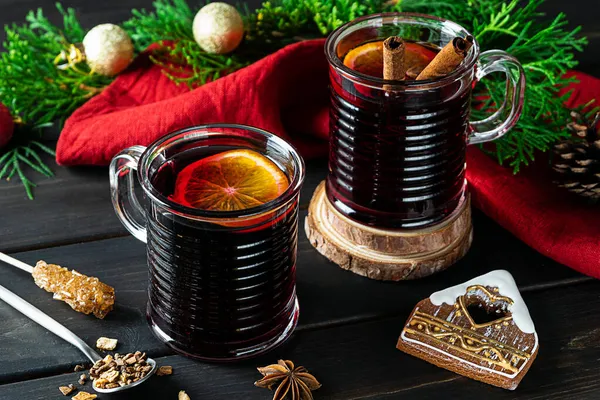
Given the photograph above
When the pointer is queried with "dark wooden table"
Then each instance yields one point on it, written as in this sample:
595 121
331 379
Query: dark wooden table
348 326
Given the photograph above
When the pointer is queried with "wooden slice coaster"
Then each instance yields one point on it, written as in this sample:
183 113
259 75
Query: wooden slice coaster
387 254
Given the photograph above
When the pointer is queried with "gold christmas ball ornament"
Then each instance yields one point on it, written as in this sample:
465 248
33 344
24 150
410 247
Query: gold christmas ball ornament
108 49
218 28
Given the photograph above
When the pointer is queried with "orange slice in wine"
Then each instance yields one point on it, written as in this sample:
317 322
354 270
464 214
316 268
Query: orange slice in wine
368 58
230 181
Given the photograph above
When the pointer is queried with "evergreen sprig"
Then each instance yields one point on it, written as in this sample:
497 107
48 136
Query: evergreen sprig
281 21
170 20
546 51
31 85
169 28
39 94
19 156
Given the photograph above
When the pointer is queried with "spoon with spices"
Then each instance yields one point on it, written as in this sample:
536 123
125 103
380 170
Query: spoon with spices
113 373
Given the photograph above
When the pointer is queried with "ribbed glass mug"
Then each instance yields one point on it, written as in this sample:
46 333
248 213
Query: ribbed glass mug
222 284
397 148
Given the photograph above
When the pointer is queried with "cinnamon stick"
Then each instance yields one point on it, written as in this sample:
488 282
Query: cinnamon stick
447 59
393 59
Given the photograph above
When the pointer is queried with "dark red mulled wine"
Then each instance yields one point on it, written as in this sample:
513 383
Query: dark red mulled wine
219 288
222 252
397 156
397 145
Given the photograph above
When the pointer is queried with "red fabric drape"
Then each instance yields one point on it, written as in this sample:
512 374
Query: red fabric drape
286 93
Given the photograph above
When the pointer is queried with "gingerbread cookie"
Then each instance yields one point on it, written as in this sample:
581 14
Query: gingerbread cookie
480 329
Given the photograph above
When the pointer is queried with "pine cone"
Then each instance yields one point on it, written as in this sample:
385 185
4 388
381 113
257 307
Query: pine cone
577 159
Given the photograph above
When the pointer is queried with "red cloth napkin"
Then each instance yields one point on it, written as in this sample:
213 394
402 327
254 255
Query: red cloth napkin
555 223
286 93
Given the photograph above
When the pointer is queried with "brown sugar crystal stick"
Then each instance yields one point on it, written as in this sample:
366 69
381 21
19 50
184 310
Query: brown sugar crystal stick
394 67
83 293
447 59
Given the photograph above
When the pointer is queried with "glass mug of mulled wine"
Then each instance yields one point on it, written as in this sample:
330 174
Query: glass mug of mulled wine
220 219
397 147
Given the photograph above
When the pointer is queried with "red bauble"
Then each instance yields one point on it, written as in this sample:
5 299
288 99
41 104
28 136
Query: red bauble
7 126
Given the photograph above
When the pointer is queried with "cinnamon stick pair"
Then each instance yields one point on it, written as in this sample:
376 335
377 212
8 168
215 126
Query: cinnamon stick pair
450 57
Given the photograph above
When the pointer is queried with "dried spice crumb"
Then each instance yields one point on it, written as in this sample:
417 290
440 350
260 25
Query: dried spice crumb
84 396
67 390
104 343
82 379
79 367
164 370
118 370
183 396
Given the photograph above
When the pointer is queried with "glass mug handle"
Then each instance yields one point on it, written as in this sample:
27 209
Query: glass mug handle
127 207
502 120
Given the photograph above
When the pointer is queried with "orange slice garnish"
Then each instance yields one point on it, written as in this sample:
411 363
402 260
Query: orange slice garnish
230 181
368 58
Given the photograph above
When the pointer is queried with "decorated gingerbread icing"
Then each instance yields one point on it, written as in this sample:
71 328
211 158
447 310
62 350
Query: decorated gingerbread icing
481 329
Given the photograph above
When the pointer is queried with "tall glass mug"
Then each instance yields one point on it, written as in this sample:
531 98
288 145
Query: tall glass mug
222 284
397 148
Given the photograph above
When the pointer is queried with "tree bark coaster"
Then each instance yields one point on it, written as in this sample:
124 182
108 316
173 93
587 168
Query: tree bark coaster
387 254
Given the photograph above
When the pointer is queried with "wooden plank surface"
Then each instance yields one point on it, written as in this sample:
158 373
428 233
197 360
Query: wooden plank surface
328 295
74 206
359 361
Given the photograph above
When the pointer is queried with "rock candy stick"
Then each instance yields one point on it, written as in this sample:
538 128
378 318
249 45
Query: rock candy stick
83 293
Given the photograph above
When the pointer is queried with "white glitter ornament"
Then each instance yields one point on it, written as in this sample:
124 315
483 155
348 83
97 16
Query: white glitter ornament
218 28
108 49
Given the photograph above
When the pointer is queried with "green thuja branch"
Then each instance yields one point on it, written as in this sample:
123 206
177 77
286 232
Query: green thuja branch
274 25
546 51
169 27
170 20
330 15
31 85
37 93
545 48
280 20
19 156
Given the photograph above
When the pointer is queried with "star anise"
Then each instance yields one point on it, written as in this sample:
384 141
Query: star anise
295 381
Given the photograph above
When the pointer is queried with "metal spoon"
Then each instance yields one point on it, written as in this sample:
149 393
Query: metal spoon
62 332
